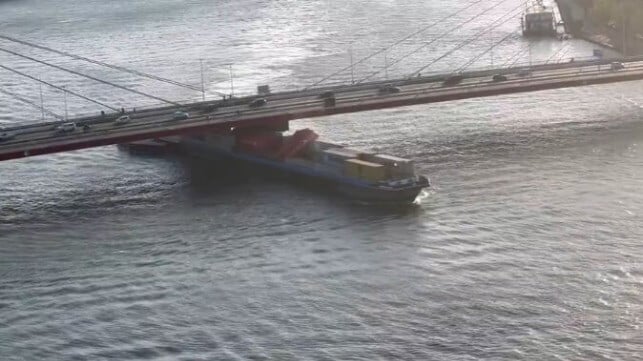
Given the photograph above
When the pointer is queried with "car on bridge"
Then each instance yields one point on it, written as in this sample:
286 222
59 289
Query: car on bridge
453 80
124 119
498 78
66 127
388 89
327 94
180 115
6 135
209 109
329 98
616 65
259 102
524 72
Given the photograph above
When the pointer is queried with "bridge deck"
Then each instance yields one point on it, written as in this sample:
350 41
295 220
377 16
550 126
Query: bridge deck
39 139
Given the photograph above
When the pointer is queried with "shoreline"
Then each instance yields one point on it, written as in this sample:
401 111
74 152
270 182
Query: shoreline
581 24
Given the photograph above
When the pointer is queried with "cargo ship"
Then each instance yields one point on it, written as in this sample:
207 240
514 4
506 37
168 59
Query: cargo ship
538 20
360 175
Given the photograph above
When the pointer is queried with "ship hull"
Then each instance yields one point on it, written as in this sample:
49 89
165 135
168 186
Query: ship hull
377 195
343 185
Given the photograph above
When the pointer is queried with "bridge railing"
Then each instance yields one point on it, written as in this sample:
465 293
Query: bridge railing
97 116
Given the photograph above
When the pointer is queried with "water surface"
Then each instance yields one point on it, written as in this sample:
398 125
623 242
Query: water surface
527 247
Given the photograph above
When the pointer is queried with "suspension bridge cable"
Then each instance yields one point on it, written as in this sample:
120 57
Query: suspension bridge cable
557 52
102 63
477 57
455 13
58 87
514 58
97 62
512 13
561 57
529 47
33 104
439 37
88 76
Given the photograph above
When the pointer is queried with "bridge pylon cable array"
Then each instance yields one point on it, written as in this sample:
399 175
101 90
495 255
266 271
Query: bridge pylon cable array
102 63
370 56
500 21
58 87
89 77
483 53
512 60
434 40
32 103
559 51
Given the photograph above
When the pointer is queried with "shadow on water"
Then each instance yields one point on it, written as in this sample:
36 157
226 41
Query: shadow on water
205 181
199 183
222 177
79 204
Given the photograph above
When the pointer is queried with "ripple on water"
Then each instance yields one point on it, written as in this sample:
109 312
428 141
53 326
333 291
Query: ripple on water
526 247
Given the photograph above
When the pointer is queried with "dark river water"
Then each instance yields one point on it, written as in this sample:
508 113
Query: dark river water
528 247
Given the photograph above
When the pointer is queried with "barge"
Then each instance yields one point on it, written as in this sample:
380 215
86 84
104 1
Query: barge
360 175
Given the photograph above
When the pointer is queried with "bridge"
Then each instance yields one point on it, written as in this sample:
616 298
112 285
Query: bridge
279 108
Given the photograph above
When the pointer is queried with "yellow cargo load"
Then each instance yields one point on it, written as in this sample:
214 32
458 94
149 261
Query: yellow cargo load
372 172
398 168
351 169
344 153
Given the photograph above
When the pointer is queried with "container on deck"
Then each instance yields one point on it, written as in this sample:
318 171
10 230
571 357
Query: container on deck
266 143
297 143
342 152
372 172
337 156
398 168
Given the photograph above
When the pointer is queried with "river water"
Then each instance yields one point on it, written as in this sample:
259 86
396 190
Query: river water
527 247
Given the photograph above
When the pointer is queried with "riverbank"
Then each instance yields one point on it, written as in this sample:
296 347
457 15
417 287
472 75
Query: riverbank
609 23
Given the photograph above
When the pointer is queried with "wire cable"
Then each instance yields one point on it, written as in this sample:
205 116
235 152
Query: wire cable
512 14
88 76
395 43
439 37
514 58
102 63
97 62
33 104
58 87
477 57
555 54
